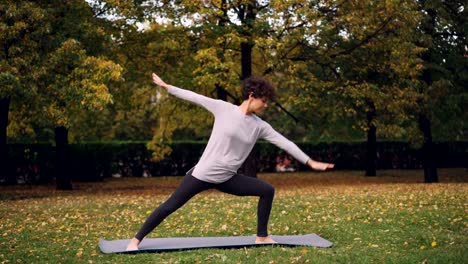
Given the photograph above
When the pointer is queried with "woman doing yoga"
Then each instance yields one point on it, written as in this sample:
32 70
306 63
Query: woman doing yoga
235 131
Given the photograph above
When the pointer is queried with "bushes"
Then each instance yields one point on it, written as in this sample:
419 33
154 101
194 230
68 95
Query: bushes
34 163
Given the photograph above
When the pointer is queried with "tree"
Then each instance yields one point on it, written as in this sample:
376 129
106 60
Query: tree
73 82
332 61
216 67
21 28
54 55
444 34
76 74
224 32
359 61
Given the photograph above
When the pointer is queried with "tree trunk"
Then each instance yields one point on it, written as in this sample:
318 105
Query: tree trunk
246 59
371 149
5 167
249 167
62 176
221 94
427 151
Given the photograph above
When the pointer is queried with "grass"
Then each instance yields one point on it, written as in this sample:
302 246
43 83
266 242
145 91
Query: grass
392 218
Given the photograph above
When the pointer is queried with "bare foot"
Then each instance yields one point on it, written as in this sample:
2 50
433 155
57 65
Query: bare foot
264 240
133 245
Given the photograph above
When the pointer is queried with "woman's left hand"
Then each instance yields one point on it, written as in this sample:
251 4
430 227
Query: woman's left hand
321 166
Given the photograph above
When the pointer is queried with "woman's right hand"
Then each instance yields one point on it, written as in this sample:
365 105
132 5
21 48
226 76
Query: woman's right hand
159 82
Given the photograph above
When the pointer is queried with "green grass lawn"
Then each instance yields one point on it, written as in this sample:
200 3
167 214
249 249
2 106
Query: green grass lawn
392 218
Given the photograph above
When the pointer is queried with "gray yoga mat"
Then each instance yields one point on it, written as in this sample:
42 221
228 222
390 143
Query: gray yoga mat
187 243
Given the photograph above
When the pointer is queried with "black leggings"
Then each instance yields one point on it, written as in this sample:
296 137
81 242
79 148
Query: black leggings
239 185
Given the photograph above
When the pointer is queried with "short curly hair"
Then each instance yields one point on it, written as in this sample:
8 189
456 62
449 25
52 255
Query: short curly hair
259 87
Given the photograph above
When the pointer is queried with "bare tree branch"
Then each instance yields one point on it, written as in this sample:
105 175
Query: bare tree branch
365 40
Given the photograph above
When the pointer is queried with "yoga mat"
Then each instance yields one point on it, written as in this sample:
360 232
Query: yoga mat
188 243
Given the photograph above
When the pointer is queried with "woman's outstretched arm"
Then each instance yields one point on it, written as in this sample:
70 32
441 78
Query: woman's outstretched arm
210 104
282 142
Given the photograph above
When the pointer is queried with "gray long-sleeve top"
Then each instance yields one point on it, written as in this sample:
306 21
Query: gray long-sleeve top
233 136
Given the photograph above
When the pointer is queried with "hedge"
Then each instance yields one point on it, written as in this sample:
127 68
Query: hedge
34 163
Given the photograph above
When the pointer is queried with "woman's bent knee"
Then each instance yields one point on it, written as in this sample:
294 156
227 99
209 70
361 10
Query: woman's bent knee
269 191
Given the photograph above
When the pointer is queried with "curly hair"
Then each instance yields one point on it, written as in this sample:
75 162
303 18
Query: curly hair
259 87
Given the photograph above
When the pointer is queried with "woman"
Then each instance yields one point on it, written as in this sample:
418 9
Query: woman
235 131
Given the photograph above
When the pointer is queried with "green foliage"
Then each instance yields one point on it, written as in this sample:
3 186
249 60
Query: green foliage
65 62
52 64
443 82
328 60
350 54
22 25
79 83
9 83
